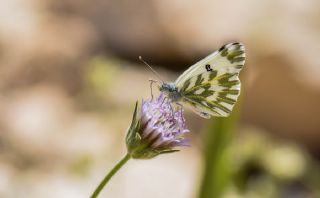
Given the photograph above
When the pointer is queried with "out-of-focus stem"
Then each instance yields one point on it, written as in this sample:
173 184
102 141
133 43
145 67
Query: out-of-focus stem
217 167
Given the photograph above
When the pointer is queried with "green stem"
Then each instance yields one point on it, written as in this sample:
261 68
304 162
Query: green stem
217 164
109 175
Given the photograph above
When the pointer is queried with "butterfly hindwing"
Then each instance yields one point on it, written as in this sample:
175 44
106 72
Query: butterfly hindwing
212 85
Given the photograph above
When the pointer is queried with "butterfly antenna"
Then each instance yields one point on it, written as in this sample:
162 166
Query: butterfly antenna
154 71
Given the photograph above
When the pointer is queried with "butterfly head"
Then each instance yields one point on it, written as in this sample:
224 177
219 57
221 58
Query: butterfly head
168 87
171 90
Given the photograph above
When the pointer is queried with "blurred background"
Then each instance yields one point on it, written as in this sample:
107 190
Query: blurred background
70 75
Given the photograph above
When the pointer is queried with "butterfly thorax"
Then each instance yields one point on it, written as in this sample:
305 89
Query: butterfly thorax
171 90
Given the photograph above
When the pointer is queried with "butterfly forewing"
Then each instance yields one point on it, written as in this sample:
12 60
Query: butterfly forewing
212 85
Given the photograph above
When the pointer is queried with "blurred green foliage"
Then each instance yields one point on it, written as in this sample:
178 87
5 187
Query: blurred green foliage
81 166
101 73
98 82
265 167
253 164
217 172
246 162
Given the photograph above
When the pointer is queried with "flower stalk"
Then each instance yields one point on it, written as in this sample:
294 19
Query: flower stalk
109 175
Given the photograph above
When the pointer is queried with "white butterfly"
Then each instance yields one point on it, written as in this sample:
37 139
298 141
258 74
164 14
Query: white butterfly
211 86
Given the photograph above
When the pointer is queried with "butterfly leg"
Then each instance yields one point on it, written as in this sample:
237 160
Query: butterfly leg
171 108
179 106
166 99
151 83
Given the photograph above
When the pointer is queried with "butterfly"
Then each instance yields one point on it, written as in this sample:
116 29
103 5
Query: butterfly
211 86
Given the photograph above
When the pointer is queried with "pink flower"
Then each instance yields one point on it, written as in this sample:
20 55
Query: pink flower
158 129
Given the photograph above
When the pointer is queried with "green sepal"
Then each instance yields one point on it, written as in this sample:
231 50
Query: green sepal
133 122
169 151
133 138
143 151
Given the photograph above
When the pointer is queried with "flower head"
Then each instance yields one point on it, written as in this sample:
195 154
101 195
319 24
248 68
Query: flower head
158 129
